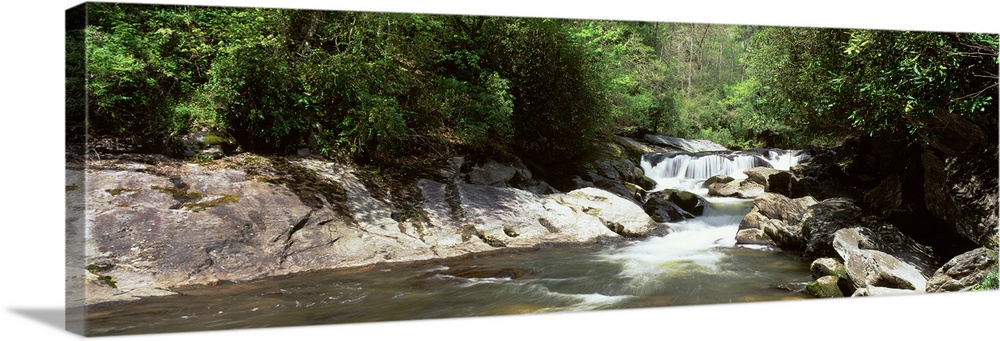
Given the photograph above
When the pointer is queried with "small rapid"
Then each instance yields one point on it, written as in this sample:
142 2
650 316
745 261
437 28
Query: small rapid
695 246
687 171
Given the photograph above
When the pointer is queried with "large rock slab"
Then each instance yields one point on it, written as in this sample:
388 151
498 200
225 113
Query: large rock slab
622 216
151 226
159 227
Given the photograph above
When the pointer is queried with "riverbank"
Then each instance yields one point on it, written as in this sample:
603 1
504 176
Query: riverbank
154 223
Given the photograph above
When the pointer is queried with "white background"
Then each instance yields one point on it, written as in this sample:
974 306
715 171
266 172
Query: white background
31 231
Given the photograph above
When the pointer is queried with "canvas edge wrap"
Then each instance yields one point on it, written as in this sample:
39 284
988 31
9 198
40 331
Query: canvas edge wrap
75 102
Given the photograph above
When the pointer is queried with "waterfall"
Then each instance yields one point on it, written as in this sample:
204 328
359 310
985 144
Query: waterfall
695 247
686 171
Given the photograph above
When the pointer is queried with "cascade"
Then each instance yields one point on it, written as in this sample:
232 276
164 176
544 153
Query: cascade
696 246
686 171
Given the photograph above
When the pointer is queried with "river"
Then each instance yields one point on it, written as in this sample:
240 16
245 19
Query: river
696 263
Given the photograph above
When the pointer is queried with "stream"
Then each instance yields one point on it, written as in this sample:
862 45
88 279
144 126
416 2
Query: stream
696 263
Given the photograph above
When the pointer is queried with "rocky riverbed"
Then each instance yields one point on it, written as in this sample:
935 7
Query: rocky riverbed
146 223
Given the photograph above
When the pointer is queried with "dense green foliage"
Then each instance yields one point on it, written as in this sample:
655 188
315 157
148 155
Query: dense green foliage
830 84
375 86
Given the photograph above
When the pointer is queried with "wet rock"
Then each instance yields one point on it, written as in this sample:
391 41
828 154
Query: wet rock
744 189
687 145
777 217
620 215
868 267
687 201
826 267
753 237
716 179
964 272
824 218
760 175
666 211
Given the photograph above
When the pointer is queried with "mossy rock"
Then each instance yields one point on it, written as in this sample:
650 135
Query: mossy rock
191 200
211 138
825 287
724 179
120 190
827 267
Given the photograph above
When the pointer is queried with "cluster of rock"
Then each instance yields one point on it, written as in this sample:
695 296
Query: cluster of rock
146 225
879 216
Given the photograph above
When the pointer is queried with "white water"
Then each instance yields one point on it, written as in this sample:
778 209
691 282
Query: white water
688 171
694 246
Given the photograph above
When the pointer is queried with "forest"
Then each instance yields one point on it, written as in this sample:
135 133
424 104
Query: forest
374 87
465 165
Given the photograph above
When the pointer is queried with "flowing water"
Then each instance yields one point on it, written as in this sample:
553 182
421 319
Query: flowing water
696 263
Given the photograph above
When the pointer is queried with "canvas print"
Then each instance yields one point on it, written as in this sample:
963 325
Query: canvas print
236 167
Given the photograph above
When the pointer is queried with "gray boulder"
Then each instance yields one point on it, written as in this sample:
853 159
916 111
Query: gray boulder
777 217
964 272
493 173
753 237
760 175
687 145
687 201
621 216
663 210
824 218
825 287
827 266
867 267
716 179
744 189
